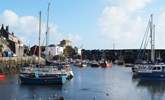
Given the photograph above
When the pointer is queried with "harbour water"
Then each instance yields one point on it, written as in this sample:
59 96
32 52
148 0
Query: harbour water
88 83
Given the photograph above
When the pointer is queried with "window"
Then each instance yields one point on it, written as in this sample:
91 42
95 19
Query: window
154 68
158 68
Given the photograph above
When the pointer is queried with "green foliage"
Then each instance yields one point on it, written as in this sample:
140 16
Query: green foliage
1 47
59 57
69 52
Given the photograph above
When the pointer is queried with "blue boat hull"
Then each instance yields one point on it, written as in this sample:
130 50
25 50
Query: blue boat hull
35 81
153 75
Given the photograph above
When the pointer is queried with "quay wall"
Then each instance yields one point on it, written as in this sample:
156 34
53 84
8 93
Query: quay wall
12 64
127 55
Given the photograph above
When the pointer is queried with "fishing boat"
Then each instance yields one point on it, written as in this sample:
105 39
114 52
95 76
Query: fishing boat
150 69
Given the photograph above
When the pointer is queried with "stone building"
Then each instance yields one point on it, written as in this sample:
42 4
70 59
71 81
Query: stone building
65 43
11 41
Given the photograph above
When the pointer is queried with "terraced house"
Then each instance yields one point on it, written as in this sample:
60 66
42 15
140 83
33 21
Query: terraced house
10 42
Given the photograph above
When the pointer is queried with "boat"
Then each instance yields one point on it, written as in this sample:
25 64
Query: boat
40 75
150 69
44 74
106 64
128 65
2 75
119 62
83 64
80 63
94 64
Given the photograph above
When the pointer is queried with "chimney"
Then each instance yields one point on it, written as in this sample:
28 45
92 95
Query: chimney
7 28
2 28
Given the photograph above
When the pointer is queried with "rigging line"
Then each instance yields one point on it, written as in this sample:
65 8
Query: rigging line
146 42
144 38
43 42
145 35
145 46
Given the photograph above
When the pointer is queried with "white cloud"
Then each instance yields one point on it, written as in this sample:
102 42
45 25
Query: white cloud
76 39
9 17
26 28
133 5
160 31
123 23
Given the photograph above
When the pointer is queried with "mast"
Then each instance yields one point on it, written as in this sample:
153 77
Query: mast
39 52
113 45
152 34
47 27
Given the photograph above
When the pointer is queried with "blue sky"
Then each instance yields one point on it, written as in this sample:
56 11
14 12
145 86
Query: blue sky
95 24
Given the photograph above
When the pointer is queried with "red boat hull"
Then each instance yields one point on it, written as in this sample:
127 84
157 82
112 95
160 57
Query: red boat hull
109 65
2 76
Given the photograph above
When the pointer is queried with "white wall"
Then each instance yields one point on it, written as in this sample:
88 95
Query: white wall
55 50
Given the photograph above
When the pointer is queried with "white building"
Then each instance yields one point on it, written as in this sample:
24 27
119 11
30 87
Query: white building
53 50
78 51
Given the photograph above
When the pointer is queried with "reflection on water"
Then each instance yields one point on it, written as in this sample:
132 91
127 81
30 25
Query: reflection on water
156 88
40 92
88 83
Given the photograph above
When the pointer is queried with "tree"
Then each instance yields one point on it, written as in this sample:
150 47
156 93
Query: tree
1 47
69 52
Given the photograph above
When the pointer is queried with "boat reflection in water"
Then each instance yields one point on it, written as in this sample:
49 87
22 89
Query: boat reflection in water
156 89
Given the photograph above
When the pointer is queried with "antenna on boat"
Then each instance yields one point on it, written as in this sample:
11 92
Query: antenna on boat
39 53
152 34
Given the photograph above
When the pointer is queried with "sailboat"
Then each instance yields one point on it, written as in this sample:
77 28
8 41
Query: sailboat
150 69
43 74
81 63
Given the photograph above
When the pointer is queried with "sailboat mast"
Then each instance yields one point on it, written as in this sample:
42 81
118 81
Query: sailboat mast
152 33
113 45
39 52
47 27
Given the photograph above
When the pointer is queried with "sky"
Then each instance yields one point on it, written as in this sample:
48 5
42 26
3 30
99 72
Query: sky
89 24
